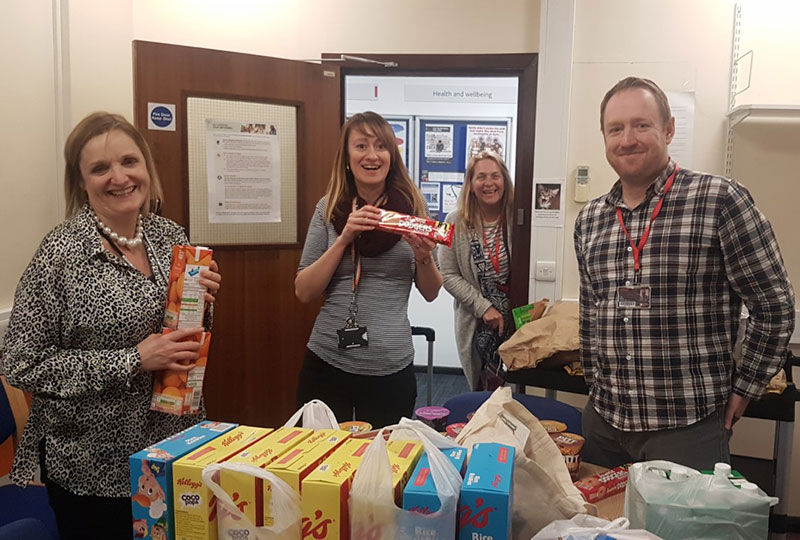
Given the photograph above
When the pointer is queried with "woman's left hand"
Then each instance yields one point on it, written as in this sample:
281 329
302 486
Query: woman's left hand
211 280
423 248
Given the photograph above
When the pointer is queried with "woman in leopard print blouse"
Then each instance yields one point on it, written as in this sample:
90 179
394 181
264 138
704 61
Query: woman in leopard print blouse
85 331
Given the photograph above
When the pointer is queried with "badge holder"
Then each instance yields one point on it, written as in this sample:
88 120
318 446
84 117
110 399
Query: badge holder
352 336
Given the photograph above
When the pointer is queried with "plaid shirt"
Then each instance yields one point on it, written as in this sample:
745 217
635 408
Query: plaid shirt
710 250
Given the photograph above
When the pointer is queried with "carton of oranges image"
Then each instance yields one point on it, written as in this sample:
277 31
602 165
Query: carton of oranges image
178 392
185 302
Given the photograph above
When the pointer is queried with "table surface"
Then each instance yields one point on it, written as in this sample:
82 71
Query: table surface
609 508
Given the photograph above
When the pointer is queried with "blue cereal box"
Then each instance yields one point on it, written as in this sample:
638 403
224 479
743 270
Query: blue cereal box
484 511
151 479
420 493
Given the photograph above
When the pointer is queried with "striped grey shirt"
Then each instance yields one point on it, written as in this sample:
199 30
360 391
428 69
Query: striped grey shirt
382 304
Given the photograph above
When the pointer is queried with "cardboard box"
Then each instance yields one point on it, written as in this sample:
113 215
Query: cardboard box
420 495
300 461
195 504
484 511
151 479
326 490
250 494
403 456
185 301
179 392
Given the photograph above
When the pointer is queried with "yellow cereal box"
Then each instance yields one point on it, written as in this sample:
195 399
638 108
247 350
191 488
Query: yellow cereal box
250 494
326 490
179 392
185 302
195 505
298 462
403 455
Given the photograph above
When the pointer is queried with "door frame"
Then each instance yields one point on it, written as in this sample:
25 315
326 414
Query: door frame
521 65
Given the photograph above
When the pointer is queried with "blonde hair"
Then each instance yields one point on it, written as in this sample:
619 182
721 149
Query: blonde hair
469 213
100 123
342 183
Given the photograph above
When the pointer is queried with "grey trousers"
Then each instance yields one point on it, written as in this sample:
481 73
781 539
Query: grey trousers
698 446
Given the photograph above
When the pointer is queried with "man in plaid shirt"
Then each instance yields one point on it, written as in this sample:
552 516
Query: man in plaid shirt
666 260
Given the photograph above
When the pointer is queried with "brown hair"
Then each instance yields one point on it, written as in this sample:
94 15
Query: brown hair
638 82
468 210
342 183
95 124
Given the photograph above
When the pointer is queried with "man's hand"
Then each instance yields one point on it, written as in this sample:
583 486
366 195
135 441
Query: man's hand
735 409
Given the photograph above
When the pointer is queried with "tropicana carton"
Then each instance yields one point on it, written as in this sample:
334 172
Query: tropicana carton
484 511
151 479
326 490
195 504
250 494
179 392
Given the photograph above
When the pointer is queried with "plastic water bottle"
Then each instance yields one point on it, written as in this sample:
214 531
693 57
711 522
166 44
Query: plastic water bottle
751 489
722 473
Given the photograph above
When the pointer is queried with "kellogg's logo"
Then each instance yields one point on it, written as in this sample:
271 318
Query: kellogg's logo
346 466
232 439
189 482
316 529
479 519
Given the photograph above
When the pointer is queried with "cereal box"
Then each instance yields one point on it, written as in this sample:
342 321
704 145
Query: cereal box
298 462
195 504
179 392
185 300
484 511
403 456
250 494
420 495
326 490
151 479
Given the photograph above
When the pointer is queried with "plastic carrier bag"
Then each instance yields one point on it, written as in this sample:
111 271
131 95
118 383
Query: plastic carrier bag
316 415
233 524
373 513
677 502
586 527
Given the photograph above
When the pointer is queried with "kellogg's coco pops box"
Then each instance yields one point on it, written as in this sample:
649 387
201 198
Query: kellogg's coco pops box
179 392
195 504
185 301
151 479
484 511
326 491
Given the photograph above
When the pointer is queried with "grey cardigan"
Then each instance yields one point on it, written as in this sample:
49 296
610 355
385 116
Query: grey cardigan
461 280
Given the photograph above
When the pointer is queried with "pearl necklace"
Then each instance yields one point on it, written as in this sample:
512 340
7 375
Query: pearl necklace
121 240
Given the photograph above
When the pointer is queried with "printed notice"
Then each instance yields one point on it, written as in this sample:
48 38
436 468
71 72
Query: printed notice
439 143
481 138
243 164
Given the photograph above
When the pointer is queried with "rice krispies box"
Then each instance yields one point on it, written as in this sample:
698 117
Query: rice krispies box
151 479
484 511
420 495
195 504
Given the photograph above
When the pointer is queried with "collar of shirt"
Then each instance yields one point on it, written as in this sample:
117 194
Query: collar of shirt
90 237
614 197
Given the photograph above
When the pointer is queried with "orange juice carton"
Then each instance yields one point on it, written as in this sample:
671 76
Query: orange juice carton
151 478
185 302
326 491
195 504
251 494
179 392
484 509
298 462
403 456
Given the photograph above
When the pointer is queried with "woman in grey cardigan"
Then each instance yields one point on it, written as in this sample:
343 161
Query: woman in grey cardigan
476 269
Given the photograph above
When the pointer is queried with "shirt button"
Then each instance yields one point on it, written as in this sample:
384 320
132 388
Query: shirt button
628 357
628 283
630 248
597 302
626 319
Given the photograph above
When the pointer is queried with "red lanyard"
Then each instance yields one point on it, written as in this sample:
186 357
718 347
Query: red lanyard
494 257
637 251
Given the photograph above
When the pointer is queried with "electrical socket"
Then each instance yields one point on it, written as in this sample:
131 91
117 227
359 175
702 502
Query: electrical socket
545 271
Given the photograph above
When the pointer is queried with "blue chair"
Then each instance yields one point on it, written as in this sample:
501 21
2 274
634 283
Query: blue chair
21 509
542 408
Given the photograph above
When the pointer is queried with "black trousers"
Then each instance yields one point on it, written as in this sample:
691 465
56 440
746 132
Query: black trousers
87 517
379 400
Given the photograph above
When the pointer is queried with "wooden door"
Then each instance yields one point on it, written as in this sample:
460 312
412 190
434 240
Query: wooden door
260 329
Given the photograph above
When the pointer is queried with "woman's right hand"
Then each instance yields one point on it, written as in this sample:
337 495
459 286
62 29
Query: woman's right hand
365 218
493 319
169 351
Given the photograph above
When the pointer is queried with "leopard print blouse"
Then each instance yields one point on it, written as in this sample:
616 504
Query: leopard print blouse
79 312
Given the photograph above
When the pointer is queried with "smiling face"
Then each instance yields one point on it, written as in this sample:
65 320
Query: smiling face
636 138
369 160
114 175
488 185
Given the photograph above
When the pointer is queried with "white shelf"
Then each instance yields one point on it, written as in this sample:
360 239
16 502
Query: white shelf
739 114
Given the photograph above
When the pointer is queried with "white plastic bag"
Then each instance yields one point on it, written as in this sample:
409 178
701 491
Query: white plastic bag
316 415
586 527
232 523
677 502
373 513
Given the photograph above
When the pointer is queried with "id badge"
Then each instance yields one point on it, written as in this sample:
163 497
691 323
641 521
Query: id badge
353 337
633 297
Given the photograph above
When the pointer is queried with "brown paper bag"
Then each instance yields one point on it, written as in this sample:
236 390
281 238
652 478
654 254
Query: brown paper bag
543 489
556 331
